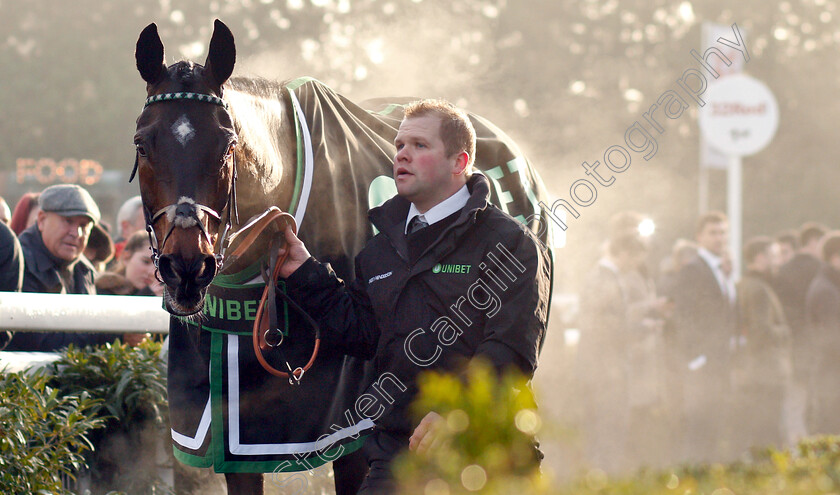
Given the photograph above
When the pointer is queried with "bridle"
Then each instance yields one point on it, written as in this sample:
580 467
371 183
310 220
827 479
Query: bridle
187 206
263 339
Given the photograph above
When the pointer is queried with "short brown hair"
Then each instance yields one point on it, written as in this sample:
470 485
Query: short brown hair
456 130
137 241
627 243
788 237
755 246
811 231
623 223
708 218
830 245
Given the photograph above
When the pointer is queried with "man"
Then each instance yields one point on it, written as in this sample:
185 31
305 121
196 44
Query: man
822 311
611 316
448 278
130 219
791 285
785 246
704 307
11 269
762 365
54 263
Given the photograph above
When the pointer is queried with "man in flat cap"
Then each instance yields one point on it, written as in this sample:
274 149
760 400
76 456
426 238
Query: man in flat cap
53 260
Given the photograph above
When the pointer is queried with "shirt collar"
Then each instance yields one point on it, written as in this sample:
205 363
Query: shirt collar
711 259
438 212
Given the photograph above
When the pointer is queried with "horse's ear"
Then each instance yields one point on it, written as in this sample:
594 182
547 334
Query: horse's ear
149 55
222 54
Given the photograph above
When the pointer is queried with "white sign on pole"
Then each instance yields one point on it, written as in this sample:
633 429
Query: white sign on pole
740 116
709 156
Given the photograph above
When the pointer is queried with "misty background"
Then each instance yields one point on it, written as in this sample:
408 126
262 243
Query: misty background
564 78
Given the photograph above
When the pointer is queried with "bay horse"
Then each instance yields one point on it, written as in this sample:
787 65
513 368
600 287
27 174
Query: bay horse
213 152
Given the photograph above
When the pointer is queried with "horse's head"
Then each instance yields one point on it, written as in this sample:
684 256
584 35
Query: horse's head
185 161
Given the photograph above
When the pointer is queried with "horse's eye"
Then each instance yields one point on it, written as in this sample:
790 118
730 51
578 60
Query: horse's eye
230 150
140 150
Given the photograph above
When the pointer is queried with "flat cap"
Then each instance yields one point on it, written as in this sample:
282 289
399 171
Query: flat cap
69 200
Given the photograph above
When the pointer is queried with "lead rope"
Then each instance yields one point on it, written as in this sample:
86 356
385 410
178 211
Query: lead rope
262 338
264 335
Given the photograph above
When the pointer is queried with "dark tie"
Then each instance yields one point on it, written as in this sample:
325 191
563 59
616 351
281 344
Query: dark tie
416 224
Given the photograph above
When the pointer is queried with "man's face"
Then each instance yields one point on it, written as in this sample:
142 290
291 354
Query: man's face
136 223
786 252
714 237
762 262
64 237
423 173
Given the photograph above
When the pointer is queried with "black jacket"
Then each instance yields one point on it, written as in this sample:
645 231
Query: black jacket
11 260
11 269
705 320
478 284
41 275
822 310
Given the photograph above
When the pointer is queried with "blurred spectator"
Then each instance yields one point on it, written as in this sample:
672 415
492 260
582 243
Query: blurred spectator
704 313
822 309
11 270
791 285
54 263
130 219
784 250
762 364
134 275
683 252
605 336
25 213
100 248
5 212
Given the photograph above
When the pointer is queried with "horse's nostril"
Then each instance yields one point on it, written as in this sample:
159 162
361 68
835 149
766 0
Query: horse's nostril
167 271
207 272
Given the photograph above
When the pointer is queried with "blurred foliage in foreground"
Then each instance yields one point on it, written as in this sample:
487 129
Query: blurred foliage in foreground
130 386
812 468
43 434
487 448
97 408
486 437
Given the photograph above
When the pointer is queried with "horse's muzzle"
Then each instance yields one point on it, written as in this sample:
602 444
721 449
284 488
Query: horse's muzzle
187 280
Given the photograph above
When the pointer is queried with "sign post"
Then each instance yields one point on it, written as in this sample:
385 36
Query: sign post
739 119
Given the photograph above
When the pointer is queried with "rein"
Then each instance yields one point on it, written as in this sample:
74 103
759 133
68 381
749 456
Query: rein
267 334
266 325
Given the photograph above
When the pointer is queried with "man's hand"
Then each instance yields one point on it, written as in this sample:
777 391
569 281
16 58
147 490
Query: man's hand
427 434
297 253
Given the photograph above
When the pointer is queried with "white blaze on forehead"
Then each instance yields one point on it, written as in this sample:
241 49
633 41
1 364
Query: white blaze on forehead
183 130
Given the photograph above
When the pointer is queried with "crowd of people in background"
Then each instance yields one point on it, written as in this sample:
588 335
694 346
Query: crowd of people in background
55 241
703 364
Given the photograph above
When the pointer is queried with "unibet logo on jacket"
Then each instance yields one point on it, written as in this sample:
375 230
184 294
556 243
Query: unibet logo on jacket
450 268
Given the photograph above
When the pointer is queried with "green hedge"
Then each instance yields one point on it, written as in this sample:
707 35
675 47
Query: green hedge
43 434
130 385
101 408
